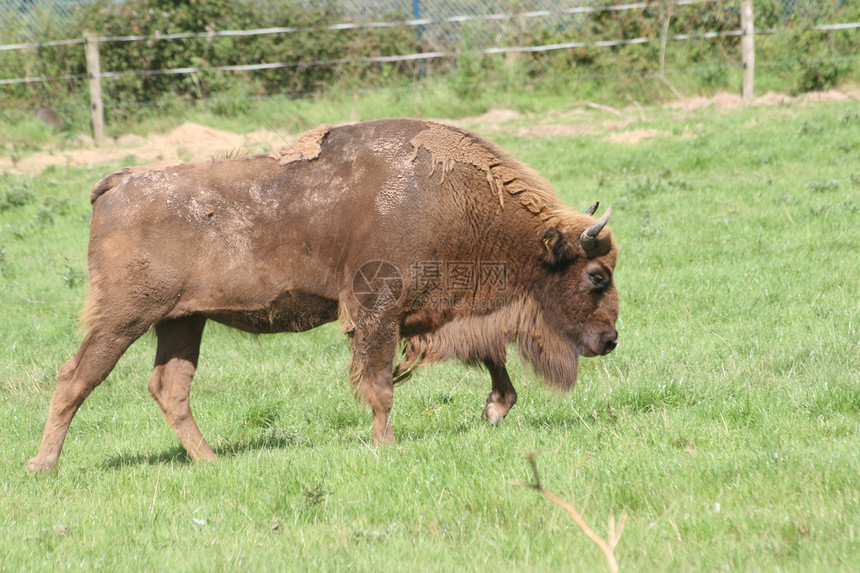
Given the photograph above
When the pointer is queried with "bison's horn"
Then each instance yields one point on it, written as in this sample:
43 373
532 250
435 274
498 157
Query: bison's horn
593 209
589 236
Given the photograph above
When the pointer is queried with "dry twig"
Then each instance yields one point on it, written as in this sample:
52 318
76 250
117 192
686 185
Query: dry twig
662 76
608 109
614 531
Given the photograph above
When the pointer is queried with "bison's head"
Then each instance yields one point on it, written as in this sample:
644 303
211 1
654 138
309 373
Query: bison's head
577 299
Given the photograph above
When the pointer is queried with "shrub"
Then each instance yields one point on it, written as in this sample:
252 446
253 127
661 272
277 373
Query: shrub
801 59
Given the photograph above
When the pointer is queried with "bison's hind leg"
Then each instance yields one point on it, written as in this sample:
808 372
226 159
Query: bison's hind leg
502 397
373 349
96 357
170 383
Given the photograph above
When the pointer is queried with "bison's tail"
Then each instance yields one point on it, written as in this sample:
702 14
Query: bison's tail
91 310
107 184
88 314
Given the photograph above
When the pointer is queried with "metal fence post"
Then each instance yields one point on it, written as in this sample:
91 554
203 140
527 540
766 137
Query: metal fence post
94 73
416 13
748 48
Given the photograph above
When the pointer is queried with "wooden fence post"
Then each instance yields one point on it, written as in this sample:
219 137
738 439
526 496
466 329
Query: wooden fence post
748 48
95 80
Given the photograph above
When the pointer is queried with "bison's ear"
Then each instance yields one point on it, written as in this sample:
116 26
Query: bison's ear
556 251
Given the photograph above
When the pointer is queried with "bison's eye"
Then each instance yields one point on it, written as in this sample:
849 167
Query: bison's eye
598 278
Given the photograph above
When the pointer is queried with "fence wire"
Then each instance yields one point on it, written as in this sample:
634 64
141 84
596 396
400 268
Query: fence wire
36 21
470 42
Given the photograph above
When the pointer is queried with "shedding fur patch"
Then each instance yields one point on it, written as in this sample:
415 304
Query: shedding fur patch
305 148
448 146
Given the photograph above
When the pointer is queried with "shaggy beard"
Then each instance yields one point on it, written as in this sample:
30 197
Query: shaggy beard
552 358
551 355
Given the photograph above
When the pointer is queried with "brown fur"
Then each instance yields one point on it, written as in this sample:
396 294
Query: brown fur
276 243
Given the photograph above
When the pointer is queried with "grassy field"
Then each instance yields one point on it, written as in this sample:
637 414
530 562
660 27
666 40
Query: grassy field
726 426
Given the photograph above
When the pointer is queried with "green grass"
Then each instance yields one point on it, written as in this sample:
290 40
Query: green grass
726 425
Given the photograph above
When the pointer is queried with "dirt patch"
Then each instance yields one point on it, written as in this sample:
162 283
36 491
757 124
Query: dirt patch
834 96
188 142
556 130
721 100
725 100
636 136
559 127
492 116
771 98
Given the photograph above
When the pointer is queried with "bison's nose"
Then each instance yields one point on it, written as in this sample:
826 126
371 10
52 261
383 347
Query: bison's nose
610 341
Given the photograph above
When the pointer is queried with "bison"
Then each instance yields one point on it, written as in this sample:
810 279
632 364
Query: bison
405 231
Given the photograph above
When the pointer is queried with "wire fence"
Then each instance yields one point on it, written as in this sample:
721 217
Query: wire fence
481 43
30 18
35 20
424 37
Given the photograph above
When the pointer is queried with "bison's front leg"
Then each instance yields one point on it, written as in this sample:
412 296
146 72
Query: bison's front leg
502 397
373 348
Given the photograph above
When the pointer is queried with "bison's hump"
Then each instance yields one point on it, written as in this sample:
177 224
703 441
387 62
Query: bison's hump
506 176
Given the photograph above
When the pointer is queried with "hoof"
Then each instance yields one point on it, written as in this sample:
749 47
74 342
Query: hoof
492 414
37 466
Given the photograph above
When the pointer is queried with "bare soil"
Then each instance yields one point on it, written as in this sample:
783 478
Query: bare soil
192 142
188 142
